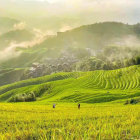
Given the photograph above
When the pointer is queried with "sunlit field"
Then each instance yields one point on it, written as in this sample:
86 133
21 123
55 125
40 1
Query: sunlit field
110 108
66 121
69 70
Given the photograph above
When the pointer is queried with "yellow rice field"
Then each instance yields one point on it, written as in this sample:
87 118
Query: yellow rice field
66 122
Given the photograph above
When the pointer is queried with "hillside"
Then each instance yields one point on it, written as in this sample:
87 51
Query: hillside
85 87
80 42
7 24
17 36
13 75
100 46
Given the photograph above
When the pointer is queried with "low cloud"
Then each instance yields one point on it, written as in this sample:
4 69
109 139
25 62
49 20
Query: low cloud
9 52
20 26
65 28
128 41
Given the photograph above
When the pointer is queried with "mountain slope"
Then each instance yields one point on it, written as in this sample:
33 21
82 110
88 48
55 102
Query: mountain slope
17 36
94 37
7 24
88 87
13 75
114 45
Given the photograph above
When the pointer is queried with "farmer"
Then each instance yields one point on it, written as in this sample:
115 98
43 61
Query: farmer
78 106
54 105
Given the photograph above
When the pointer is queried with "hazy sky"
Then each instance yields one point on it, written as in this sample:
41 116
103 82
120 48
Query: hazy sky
73 12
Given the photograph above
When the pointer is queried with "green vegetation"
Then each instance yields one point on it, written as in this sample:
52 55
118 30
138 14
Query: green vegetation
102 74
7 24
132 101
64 78
34 121
76 43
111 46
114 114
13 75
17 36
85 87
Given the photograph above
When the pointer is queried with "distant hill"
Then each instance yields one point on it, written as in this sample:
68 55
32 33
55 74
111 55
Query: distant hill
7 24
85 87
93 37
100 46
17 36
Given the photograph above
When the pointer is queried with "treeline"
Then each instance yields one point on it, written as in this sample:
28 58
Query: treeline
93 63
112 57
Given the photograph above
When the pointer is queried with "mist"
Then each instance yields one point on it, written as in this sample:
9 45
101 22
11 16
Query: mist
55 14
13 49
9 52
130 41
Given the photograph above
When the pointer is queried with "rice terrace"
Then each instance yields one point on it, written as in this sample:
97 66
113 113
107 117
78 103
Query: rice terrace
69 70
108 118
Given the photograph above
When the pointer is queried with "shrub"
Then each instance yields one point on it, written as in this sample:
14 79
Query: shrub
133 101
30 97
127 102
25 97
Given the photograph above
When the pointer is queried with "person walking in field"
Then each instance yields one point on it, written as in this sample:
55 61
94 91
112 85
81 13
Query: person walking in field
54 105
78 106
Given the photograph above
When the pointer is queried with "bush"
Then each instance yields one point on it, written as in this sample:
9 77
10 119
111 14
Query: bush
24 97
127 102
133 101
30 97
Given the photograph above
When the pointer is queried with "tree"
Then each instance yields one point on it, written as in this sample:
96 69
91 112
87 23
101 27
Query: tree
137 60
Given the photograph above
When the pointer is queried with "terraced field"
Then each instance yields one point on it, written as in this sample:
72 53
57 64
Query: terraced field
85 87
13 75
26 121
109 120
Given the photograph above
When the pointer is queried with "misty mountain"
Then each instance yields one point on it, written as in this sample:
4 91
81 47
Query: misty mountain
56 15
79 42
18 35
7 24
15 36
108 45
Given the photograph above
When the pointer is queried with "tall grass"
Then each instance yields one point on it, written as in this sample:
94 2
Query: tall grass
66 122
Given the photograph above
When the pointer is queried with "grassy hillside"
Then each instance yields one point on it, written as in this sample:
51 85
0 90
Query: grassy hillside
86 87
13 75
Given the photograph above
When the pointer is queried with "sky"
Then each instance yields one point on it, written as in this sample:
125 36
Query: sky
72 12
